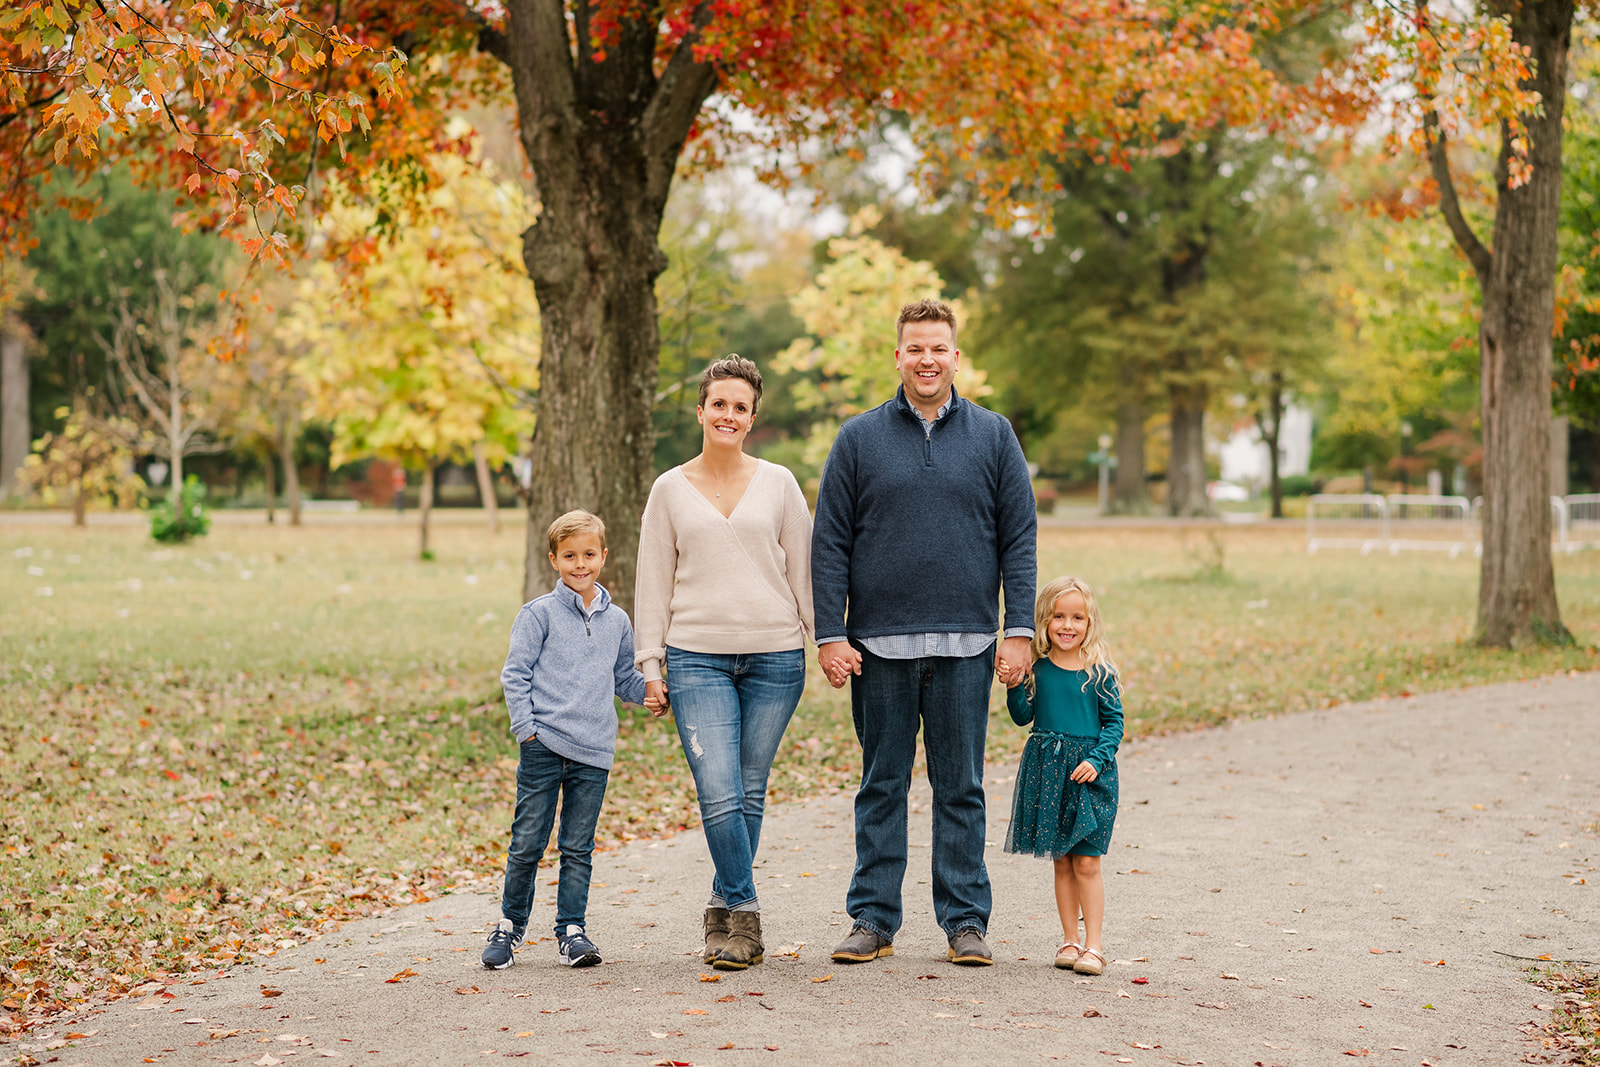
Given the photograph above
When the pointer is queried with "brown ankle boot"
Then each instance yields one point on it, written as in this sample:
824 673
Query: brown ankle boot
716 932
744 942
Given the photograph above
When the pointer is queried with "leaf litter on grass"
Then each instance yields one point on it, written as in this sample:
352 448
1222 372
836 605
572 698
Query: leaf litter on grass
195 778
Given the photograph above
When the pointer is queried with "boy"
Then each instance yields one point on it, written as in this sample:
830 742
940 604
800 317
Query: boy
570 652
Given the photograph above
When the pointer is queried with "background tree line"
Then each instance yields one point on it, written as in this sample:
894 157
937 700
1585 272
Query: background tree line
1166 256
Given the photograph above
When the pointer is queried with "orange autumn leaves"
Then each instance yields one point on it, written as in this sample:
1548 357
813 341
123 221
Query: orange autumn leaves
227 102
231 103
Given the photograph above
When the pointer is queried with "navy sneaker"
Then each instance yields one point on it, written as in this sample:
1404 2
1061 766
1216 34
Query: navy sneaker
497 954
576 949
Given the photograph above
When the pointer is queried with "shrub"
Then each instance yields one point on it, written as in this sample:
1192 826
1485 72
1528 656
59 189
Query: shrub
1298 485
182 515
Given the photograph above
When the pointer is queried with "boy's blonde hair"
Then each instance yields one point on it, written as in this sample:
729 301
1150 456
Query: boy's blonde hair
1096 651
572 523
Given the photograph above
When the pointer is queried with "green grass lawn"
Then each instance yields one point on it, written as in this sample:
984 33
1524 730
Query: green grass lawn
210 749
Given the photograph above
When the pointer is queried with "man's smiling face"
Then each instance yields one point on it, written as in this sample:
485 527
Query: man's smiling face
927 359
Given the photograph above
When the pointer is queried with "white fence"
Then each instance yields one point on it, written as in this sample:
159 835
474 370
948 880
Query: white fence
1402 522
1347 520
1580 527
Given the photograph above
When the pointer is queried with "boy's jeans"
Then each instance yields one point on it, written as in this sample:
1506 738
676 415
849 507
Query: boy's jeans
948 697
541 776
731 711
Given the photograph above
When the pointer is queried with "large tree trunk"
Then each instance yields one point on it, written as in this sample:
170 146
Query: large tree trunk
603 135
80 505
175 483
1131 493
425 506
1186 470
1183 270
272 488
1273 439
491 506
291 474
15 435
1517 588
1560 454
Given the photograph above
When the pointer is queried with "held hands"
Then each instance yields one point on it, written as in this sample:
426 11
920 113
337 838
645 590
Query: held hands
655 698
1011 661
838 662
1084 773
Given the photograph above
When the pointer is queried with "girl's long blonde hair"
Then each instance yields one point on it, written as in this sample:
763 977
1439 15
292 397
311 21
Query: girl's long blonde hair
1097 659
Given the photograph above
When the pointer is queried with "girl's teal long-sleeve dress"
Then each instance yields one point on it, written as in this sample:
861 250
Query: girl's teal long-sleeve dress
1076 716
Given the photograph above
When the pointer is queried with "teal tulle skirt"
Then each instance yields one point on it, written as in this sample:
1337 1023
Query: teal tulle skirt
1051 815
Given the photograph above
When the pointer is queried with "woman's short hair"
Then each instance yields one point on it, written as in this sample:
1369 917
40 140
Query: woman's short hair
573 523
731 366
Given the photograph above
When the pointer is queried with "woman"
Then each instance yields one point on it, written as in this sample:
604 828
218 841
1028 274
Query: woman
724 600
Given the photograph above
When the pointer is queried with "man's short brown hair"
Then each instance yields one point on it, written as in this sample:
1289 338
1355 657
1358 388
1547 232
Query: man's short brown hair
926 311
732 366
572 524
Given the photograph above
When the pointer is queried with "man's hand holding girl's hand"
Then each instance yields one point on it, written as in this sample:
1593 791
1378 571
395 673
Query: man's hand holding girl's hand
655 698
1012 658
1084 773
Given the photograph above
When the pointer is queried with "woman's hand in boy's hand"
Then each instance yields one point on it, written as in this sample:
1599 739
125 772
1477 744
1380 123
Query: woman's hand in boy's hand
655 698
1084 773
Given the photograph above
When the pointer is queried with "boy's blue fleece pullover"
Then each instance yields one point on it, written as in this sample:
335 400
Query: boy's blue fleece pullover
563 669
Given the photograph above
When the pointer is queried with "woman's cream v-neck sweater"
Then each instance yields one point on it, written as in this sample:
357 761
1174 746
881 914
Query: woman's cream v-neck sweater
709 583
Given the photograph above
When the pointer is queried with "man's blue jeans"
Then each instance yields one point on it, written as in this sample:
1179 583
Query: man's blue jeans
949 698
731 712
542 778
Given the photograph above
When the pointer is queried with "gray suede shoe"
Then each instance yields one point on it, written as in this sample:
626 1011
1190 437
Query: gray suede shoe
862 945
716 932
744 946
967 948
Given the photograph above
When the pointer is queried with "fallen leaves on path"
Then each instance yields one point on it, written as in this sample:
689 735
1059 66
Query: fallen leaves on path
1573 1033
407 973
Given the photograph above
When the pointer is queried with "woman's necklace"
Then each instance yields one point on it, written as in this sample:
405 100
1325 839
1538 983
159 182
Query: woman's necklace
715 481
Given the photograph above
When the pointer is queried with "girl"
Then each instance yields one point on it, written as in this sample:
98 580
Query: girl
1066 794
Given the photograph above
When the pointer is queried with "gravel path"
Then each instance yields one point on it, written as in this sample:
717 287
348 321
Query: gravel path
1288 891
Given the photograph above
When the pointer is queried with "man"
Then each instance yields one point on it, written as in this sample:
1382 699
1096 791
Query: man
925 509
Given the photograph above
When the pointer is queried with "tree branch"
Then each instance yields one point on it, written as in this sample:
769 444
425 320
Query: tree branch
123 336
494 43
679 95
1449 203
27 107
546 87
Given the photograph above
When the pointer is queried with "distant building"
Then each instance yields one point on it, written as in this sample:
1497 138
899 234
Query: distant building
1246 461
